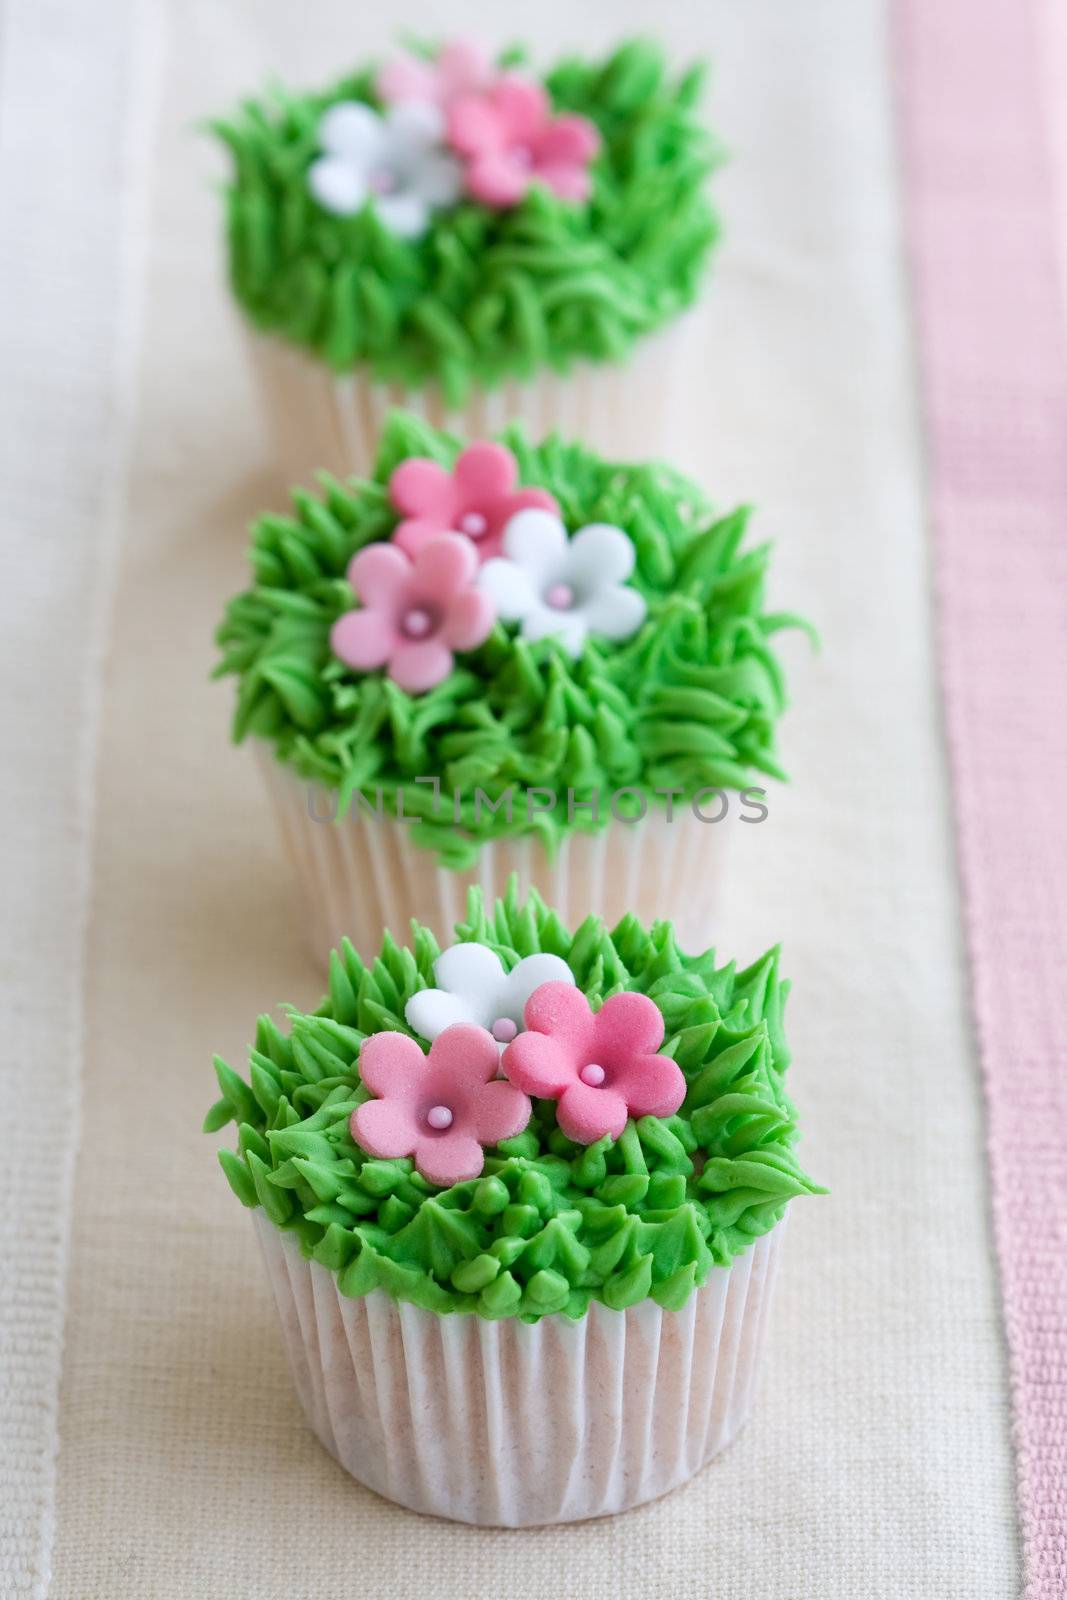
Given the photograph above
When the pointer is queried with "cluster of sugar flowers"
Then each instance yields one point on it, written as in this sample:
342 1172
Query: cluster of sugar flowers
533 1026
450 126
472 546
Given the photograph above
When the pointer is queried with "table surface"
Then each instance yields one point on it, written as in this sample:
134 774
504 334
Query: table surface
878 1460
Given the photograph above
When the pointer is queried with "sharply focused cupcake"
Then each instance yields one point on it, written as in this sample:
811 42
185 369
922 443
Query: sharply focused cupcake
521 1204
453 233
505 658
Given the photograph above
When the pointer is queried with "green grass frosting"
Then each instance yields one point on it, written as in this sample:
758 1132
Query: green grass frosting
549 1225
484 294
690 702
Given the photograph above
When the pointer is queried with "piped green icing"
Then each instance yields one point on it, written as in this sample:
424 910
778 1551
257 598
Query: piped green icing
690 702
549 1225
484 294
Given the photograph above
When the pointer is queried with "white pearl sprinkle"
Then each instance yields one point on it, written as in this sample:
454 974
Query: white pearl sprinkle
439 1117
416 623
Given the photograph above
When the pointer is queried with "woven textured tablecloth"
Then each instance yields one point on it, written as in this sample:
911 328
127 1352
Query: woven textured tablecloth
879 1460
987 175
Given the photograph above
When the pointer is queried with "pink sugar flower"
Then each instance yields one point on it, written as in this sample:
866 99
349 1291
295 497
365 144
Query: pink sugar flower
441 1108
461 67
477 498
602 1067
414 613
510 139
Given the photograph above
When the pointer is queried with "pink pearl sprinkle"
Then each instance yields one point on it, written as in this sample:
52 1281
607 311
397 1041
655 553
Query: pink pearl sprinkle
560 596
382 181
473 524
439 1117
503 1030
593 1075
416 623
522 155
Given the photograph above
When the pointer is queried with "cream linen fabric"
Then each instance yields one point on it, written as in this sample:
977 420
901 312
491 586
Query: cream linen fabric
71 129
877 1463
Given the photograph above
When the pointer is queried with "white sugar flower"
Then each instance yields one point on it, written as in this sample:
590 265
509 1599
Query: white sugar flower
473 987
570 588
396 159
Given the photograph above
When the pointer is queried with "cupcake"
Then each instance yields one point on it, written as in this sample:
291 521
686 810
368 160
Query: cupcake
521 1202
505 658
454 234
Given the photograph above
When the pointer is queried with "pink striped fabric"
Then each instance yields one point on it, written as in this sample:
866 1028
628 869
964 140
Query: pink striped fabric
981 187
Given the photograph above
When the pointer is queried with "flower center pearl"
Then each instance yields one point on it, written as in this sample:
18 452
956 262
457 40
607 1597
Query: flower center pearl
522 155
382 181
503 1030
593 1075
473 524
416 623
560 596
439 1117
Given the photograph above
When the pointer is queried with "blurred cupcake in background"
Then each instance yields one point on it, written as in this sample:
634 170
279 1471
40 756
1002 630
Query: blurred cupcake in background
452 233
500 658
521 1204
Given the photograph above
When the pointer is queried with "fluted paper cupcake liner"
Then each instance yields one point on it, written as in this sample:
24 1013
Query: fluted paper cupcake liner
318 419
362 874
516 1424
